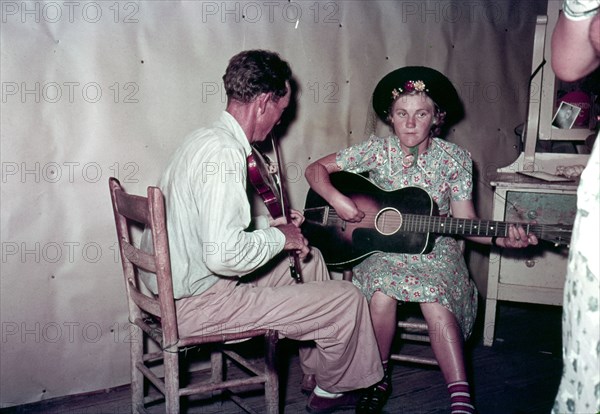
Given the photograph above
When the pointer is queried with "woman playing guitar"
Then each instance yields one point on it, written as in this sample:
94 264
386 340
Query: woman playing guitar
416 102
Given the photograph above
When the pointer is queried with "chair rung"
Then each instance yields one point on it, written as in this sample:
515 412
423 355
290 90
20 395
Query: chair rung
414 359
154 379
421 326
242 362
206 339
154 356
202 387
208 387
415 337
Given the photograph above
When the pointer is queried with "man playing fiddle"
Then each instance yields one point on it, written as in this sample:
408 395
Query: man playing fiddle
229 275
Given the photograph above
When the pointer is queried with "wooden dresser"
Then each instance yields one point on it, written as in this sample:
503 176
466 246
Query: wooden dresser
535 274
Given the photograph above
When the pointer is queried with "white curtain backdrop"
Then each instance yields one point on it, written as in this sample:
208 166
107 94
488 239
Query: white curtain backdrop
93 89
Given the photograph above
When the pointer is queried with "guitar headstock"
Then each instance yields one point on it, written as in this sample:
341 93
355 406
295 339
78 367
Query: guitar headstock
558 234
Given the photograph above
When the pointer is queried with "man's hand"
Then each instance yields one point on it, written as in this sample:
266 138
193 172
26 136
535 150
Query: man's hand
294 240
295 215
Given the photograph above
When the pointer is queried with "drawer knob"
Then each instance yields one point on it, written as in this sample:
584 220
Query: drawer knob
530 263
531 214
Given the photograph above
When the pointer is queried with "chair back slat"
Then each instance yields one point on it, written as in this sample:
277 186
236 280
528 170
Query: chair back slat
149 211
143 301
132 207
139 257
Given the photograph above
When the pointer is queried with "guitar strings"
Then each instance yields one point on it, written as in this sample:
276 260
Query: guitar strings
414 222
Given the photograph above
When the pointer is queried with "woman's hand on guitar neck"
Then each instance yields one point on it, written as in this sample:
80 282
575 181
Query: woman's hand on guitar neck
294 240
517 238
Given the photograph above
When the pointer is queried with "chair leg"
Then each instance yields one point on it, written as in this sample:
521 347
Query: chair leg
137 378
171 364
272 382
216 366
216 370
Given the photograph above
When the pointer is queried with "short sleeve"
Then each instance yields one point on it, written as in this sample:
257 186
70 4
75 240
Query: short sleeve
460 178
364 156
580 9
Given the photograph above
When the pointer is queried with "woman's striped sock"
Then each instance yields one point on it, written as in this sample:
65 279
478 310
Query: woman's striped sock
460 398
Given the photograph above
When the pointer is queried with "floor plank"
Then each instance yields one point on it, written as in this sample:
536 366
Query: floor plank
519 374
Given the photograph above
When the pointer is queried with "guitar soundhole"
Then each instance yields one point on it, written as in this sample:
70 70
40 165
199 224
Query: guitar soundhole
388 221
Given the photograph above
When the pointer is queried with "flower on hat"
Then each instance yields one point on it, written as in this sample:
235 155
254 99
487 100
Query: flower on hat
410 86
418 85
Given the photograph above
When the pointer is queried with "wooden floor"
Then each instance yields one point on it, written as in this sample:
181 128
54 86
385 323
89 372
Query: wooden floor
519 374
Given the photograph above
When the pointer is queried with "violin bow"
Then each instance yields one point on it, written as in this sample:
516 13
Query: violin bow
292 256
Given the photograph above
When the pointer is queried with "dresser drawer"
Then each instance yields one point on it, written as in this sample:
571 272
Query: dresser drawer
544 265
544 208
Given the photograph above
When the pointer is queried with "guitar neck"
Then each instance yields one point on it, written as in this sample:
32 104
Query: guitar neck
434 224
391 221
461 226
395 220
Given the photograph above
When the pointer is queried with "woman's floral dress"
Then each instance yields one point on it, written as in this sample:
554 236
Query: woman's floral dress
444 171
579 390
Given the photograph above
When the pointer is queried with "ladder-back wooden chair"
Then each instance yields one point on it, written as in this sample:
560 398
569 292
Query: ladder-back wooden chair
411 327
154 317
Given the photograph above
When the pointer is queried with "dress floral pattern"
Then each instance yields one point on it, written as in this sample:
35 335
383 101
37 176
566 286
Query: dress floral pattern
579 390
444 171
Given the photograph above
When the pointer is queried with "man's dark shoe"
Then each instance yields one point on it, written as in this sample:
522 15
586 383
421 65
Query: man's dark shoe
374 398
309 382
322 405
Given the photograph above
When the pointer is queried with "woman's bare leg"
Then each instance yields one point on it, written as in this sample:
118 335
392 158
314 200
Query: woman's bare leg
448 347
383 315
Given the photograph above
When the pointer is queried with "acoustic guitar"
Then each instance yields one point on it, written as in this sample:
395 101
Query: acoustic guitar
399 221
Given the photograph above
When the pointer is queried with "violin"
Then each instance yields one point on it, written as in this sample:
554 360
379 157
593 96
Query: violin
262 174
